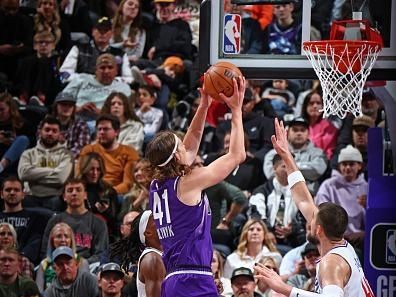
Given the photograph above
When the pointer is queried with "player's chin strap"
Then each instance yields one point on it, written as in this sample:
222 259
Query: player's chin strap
173 152
328 291
143 225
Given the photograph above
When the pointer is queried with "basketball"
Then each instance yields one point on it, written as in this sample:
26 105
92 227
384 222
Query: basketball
218 79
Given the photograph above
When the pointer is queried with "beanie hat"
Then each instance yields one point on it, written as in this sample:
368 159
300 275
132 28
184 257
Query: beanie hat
350 154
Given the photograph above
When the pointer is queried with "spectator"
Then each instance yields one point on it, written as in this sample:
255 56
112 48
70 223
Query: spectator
91 90
38 74
47 19
70 280
217 267
285 31
306 279
12 284
74 132
262 286
322 132
61 235
311 160
280 97
90 232
16 40
151 116
348 188
274 204
102 198
111 280
8 236
46 167
28 223
129 34
131 129
15 135
243 283
253 244
82 56
119 159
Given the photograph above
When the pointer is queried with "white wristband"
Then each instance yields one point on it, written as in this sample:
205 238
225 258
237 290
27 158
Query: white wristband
328 291
294 178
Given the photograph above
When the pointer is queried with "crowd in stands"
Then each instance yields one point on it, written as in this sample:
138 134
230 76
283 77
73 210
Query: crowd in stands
85 86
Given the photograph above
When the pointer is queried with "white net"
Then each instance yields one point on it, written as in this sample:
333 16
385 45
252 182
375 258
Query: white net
342 69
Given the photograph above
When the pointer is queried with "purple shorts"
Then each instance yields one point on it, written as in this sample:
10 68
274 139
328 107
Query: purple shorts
189 285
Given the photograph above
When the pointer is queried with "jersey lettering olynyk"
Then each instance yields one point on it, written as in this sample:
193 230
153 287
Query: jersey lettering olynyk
184 231
357 285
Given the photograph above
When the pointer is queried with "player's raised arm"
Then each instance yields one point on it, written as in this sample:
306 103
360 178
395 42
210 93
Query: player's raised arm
300 193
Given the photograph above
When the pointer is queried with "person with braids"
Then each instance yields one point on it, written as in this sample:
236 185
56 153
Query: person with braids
180 210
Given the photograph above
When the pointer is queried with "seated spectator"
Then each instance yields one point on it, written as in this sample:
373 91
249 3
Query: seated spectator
137 198
38 74
274 204
111 280
217 267
91 90
15 135
280 97
47 18
69 279
253 244
262 286
129 34
11 283
292 262
284 30
28 223
243 282
82 56
322 132
119 159
74 132
306 279
8 236
46 167
150 116
131 129
61 235
348 188
90 232
102 198
311 161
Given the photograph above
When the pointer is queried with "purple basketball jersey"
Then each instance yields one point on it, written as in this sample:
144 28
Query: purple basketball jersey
184 231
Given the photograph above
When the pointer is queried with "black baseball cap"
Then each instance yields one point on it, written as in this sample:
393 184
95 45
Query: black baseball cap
309 247
103 24
242 271
111 267
298 121
65 97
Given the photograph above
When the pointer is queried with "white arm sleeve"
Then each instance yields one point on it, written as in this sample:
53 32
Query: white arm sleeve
328 291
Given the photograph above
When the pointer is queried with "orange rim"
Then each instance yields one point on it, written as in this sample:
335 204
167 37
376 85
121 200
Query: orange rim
322 46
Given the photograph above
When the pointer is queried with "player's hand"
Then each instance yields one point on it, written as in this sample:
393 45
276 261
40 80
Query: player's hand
272 278
206 100
235 101
279 140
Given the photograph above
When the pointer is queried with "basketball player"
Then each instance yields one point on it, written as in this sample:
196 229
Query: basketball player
181 211
339 273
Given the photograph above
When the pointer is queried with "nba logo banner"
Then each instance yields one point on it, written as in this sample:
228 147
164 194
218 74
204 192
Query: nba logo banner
232 34
390 256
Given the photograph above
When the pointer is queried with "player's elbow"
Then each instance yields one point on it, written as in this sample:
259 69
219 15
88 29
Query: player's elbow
240 157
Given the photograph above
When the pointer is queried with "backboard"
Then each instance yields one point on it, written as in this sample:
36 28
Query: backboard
313 26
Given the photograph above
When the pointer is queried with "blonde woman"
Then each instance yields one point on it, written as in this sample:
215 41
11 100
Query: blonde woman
127 31
8 236
253 245
262 287
61 235
218 271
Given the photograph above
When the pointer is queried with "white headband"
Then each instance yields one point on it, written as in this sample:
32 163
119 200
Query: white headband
143 225
173 152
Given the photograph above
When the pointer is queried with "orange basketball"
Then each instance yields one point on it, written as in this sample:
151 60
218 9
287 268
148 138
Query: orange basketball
218 79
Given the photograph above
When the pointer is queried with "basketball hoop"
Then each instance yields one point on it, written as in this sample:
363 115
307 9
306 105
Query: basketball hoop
343 66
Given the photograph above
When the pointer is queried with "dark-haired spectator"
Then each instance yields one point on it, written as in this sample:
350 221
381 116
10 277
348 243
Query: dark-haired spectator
70 280
280 97
38 74
28 223
131 129
82 56
119 159
128 33
243 283
101 197
15 135
111 280
15 37
91 90
11 283
90 232
46 167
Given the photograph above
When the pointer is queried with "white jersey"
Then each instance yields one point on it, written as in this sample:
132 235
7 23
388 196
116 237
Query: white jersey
357 285
141 287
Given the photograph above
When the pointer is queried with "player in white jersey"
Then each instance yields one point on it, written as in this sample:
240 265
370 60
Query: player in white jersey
339 273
